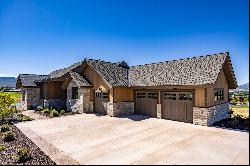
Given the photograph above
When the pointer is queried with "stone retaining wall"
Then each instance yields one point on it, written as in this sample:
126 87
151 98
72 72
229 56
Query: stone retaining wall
208 116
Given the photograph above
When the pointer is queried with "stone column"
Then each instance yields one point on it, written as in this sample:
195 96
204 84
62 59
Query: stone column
159 111
87 104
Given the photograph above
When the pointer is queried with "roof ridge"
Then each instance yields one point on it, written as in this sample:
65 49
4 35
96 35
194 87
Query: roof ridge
188 58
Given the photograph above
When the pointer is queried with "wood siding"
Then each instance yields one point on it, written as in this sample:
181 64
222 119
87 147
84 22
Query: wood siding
199 97
222 83
97 82
53 90
123 94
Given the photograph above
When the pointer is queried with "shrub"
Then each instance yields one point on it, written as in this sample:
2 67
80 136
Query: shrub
5 128
7 106
54 113
46 111
39 108
19 115
23 155
62 112
8 136
2 148
26 118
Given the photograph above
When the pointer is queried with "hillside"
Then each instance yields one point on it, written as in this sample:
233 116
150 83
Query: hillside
244 87
7 82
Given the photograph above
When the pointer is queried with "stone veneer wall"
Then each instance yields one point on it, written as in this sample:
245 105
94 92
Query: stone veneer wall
83 103
21 106
57 103
32 97
120 108
208 116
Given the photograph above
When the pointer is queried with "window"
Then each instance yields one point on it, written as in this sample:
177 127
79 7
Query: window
105 95
218 94
152 95
74 92
185 96
140 95
170 96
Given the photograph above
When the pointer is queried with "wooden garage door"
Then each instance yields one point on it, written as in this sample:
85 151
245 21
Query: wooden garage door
146 103
101 99
178 106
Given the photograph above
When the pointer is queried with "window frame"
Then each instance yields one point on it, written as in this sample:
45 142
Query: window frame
219 96
74 93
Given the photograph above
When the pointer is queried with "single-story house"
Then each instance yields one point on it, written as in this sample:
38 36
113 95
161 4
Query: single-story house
193 90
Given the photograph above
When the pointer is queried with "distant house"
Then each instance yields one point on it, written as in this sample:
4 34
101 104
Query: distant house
193 90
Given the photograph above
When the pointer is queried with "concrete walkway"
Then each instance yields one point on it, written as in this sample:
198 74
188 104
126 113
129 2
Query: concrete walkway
92 139
34 115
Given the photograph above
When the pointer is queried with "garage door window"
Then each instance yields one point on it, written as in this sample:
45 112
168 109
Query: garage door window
185 96
152 95
170 96
141 95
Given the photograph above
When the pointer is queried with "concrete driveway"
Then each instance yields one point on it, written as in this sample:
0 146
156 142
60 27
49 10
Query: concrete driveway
90 139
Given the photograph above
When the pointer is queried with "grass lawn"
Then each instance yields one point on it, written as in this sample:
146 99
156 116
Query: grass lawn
239 106
16 95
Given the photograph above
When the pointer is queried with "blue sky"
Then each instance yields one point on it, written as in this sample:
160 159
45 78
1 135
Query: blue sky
39 36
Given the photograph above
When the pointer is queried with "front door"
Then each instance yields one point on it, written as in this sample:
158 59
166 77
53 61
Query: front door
100 105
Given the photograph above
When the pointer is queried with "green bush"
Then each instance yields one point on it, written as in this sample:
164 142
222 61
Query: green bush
23 155
19 115
62 112
26 118
7 106
46 111
8 136
2 148
5 128
54 113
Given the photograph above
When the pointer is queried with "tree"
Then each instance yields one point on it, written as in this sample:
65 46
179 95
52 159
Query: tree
7 106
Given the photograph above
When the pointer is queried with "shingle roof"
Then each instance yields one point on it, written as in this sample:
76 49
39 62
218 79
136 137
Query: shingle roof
60 72
80 81
190 71
200 70
29 79
113 73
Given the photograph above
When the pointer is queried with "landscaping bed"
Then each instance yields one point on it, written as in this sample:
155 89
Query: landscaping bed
21 150
51 113
237 122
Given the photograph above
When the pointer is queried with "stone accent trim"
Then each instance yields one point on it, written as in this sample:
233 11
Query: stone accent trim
81 105
208 116
158 111
120 108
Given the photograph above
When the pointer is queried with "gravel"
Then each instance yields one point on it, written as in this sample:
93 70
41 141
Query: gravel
8 156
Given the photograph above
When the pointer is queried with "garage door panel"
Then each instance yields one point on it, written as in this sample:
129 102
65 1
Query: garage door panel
177 106
146 103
